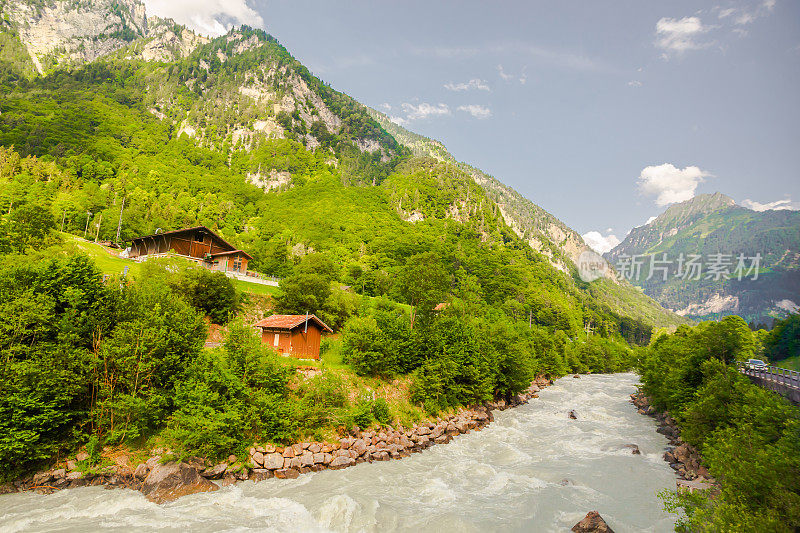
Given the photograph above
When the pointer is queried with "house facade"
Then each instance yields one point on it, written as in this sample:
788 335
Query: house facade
198 244
294 335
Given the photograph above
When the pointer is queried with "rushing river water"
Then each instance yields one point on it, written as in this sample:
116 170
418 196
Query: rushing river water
532 469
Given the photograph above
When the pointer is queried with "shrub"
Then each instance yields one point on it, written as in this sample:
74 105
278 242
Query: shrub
362 413
381 412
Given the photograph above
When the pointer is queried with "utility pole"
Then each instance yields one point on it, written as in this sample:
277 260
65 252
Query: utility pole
97 235
86 229
530 319
119 224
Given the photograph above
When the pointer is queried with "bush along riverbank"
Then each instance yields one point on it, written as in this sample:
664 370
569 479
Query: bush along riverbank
162 477
682 457
748 437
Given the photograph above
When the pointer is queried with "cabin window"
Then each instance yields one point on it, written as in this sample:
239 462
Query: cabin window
199 236
237 263
277 338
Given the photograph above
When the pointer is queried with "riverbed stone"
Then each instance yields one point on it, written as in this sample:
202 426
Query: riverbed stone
572 415
260 474
341 462
633 448
170 481
287 473
258 459
359 447
141 471
592 523
273 461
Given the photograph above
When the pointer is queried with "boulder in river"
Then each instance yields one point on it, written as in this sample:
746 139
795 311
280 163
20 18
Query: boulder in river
633 448
572 415
592 523
170 481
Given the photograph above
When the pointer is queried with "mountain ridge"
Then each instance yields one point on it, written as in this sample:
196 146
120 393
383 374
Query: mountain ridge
711 224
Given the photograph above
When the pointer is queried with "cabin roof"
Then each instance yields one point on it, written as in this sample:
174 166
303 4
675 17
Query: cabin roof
289 322
186 230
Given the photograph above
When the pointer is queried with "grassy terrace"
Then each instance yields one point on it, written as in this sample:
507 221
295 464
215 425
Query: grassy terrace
109 262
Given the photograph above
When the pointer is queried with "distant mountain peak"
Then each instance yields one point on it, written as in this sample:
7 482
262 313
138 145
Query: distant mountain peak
679 215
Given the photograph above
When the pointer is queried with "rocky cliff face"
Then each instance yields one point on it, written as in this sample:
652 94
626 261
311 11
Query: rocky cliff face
56 33
541 230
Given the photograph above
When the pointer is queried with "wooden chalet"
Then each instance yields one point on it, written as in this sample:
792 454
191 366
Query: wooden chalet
295 335
199 244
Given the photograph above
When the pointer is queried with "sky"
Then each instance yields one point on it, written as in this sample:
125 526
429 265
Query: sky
603 113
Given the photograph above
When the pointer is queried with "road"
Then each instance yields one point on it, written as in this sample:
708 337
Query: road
789 378
781 380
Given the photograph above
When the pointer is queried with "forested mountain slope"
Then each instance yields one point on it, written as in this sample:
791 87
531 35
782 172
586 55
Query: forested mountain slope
544 232
712 224
235 134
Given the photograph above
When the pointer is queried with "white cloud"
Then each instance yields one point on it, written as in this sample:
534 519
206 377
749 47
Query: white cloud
424 110
209 17
503 74
599 243
680 35
634 83
649 220
474 83
778 205
670 184
477 111
747 15
400 121
386 106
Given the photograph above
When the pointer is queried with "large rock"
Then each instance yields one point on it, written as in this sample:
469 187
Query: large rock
592 523
359 447
273 461
341 462
633 448
215 472
171 481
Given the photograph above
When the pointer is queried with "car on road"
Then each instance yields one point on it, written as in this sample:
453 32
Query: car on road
755 364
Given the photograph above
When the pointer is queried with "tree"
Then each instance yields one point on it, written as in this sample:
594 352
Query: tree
423 282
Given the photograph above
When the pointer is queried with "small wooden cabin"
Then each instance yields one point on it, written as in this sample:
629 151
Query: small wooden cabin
198 244
295 335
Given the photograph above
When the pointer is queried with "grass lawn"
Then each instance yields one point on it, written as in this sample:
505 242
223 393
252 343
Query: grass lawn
106 259
792 363
255 288
109 262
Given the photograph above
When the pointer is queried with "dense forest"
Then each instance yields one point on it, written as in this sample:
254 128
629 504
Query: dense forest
749 437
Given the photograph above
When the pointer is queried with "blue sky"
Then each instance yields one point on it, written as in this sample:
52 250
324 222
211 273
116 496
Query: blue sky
602 113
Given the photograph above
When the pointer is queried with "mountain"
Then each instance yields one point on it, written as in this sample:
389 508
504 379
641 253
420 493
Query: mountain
542 231
236 134
711 224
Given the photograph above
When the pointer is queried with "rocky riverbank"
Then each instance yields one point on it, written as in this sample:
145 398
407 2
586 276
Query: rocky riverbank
681 456
163 480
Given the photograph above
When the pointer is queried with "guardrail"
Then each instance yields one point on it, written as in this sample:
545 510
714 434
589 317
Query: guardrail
783 376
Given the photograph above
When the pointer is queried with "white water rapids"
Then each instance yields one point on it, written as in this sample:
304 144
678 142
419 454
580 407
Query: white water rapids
508 477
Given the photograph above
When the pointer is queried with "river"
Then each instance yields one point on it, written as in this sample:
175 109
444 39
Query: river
532 469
